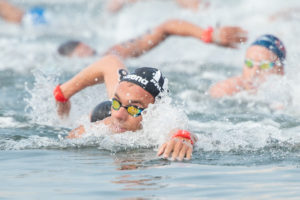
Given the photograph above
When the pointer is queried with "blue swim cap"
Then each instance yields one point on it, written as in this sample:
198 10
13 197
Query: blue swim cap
273 44
38 15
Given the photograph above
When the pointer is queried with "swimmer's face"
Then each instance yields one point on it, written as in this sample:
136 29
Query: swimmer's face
258 55
82 50
129 94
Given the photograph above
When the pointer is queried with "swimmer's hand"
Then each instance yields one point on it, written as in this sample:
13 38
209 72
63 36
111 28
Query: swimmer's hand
178 147
63 108
229 36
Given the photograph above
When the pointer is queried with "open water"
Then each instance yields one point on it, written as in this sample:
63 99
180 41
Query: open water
246 148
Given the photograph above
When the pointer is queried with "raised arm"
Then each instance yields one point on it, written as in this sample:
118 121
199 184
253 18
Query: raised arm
103 71
10 12
224 36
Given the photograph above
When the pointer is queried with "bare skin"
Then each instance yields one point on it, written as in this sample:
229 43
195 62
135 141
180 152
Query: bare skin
251 78
10 12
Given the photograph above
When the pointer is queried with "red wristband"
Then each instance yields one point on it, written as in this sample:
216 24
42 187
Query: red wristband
185 134
207 35
58 95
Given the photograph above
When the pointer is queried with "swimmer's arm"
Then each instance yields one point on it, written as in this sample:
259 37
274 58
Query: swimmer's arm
227 87
178 147
10 12
103 71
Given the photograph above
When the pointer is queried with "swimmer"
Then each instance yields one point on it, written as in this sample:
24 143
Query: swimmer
130 94
13 14
227 36
264 57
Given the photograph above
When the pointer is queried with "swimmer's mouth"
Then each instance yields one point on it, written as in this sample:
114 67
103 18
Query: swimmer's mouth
118 129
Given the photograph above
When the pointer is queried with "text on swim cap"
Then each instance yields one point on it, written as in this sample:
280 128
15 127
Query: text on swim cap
137 78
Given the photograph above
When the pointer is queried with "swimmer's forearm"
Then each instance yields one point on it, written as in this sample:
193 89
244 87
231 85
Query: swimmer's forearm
140 45
182 28
104 70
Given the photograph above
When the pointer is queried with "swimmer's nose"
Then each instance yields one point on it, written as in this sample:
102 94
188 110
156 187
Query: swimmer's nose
255 70
121 114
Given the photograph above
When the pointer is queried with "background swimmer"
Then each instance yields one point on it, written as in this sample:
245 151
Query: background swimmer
227 36
264 57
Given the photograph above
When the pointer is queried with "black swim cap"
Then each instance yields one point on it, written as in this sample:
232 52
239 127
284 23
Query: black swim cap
150 79
68 47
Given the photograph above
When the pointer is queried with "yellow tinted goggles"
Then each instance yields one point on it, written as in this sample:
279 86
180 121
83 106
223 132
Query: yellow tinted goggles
132 110
264 65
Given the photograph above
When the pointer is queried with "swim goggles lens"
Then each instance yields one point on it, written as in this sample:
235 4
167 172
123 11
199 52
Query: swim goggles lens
132 110
115 104
264 65
249 63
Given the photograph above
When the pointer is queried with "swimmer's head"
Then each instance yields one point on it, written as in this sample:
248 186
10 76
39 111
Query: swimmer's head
134 93
265 56
74 48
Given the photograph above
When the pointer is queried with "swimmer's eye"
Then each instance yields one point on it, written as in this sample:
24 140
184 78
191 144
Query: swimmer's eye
132 110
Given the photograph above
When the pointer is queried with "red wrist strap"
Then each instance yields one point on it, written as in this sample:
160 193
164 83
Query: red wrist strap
207 35
185 134
58 95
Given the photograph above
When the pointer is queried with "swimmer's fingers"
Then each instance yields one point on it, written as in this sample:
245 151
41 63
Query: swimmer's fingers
169 148
63 108
162 149
183 152
177 148
229 36
240 35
